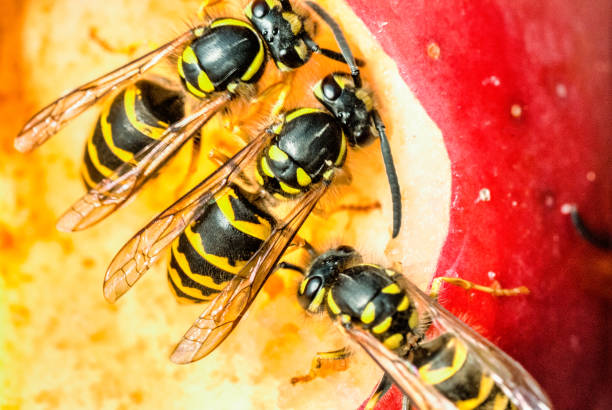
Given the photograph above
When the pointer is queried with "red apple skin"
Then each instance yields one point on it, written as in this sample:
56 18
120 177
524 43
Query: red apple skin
522 93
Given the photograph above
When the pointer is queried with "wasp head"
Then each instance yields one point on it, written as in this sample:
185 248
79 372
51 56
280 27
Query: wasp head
350 105
283 31
321 275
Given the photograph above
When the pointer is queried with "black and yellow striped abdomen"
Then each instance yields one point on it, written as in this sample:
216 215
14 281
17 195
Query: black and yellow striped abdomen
228 52
447 364
215 247
307 147
137 116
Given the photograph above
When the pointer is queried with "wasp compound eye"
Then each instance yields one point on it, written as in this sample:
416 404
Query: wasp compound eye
331 89
308 291
260 9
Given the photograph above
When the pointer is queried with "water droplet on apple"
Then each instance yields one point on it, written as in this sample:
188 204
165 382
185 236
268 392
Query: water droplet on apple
561 90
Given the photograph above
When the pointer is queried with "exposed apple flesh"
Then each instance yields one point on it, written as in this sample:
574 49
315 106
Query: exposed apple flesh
521 92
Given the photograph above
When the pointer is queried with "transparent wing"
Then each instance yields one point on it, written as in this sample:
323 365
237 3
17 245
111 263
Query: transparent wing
225 311
53 117
509 375
403 373
127 179
140 252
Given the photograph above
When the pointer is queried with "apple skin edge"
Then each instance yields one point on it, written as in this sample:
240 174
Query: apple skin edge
522 93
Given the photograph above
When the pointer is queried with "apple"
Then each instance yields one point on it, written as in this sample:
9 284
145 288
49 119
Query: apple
521 92
491 101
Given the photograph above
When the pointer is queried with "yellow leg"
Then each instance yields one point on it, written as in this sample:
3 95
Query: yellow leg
193 164
301 243
270 102
495 289
342 176
279 91
324 364
204 4
218 157
221 158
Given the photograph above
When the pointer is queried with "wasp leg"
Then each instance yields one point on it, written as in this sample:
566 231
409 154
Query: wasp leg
297 243
235 129
494 289
218 157
383 387
301 243
341 177
221 158
281 89
290 266
204 4
325 363
267 104
193 163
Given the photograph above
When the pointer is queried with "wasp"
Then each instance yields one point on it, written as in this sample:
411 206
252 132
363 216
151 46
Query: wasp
435 359
227 234
217 62
135 118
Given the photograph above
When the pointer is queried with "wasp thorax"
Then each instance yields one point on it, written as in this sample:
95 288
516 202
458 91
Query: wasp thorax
350 105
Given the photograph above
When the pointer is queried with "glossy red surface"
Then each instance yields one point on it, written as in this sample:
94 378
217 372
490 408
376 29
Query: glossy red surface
522 93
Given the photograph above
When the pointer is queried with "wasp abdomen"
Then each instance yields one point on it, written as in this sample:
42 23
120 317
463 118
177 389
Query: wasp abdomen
216 246
370 298
447 364
228 52
137 116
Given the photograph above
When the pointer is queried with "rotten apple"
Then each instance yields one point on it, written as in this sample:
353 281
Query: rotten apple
522 94
516 94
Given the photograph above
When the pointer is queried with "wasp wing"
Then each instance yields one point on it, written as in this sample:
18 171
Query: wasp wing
508 374
225 311
53 117
129 177
144 248
403 373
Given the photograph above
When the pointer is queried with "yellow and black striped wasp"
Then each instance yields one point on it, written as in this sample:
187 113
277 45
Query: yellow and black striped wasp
136 117
227 234
217 62
436 360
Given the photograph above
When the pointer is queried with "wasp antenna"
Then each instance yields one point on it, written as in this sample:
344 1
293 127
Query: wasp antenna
290 266
334 55
599 240
396 196
303 243
347 54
